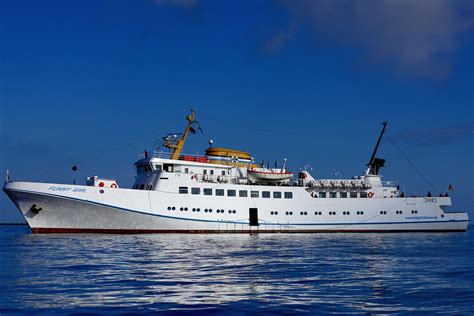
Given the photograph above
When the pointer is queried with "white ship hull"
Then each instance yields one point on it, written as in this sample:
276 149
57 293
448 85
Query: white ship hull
74 208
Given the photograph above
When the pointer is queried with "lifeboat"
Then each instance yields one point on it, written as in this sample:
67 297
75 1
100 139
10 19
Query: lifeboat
224 156
270 176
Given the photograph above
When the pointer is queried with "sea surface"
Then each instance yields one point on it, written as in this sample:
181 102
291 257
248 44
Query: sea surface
343 273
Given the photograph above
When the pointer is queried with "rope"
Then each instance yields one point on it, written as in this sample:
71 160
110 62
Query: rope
271 131
414 167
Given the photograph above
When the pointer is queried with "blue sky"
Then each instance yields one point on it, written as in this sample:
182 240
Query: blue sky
95 82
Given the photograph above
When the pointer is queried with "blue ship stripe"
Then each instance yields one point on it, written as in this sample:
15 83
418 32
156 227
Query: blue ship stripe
234 222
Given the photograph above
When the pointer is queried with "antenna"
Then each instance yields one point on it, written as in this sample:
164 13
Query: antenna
375 163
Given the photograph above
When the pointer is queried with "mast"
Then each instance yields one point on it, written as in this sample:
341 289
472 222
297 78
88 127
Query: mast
178 145
375 163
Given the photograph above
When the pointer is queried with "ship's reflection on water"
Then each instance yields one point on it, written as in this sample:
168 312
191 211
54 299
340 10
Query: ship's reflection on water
366 273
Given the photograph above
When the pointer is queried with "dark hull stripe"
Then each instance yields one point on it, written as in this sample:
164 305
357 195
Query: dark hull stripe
210 231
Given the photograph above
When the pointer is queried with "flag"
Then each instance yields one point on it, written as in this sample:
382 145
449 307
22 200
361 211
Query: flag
450 188
192 130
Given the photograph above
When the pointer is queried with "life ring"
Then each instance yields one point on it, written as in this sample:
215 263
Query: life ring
113 186
370 194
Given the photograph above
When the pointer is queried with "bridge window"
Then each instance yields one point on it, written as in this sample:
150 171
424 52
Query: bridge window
220 192
243 193
288 195
266 194
254 194
353 195
231 193
183 190
277 195
168 167
207 191
157 167
196 191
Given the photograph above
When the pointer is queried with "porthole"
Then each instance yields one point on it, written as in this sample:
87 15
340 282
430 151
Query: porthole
198 209
442 215
173 208
286 213
301 213
343 213
276 213
186 209
169 208
205 210
210 210
234 211
271 213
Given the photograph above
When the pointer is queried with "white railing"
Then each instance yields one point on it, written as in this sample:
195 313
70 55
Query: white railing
167 155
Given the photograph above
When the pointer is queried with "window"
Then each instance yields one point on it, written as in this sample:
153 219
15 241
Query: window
277 195
288 195
141 187
332 195
254 194
196 191
343 194
322 194
223 172
186 170
157 167
168 168
212 172
363 194
207 191
231 193
204 171
220 192
243 193
353 195
183 190
266 194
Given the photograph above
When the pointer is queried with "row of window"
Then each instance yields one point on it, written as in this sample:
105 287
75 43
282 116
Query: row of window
344 195
206 210
172 208
233 193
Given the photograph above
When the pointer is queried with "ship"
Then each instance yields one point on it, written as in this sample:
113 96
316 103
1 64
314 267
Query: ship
225 191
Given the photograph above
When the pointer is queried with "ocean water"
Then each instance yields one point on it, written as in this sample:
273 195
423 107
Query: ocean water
412 273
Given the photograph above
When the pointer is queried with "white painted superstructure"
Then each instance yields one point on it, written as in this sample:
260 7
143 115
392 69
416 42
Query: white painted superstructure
214 194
